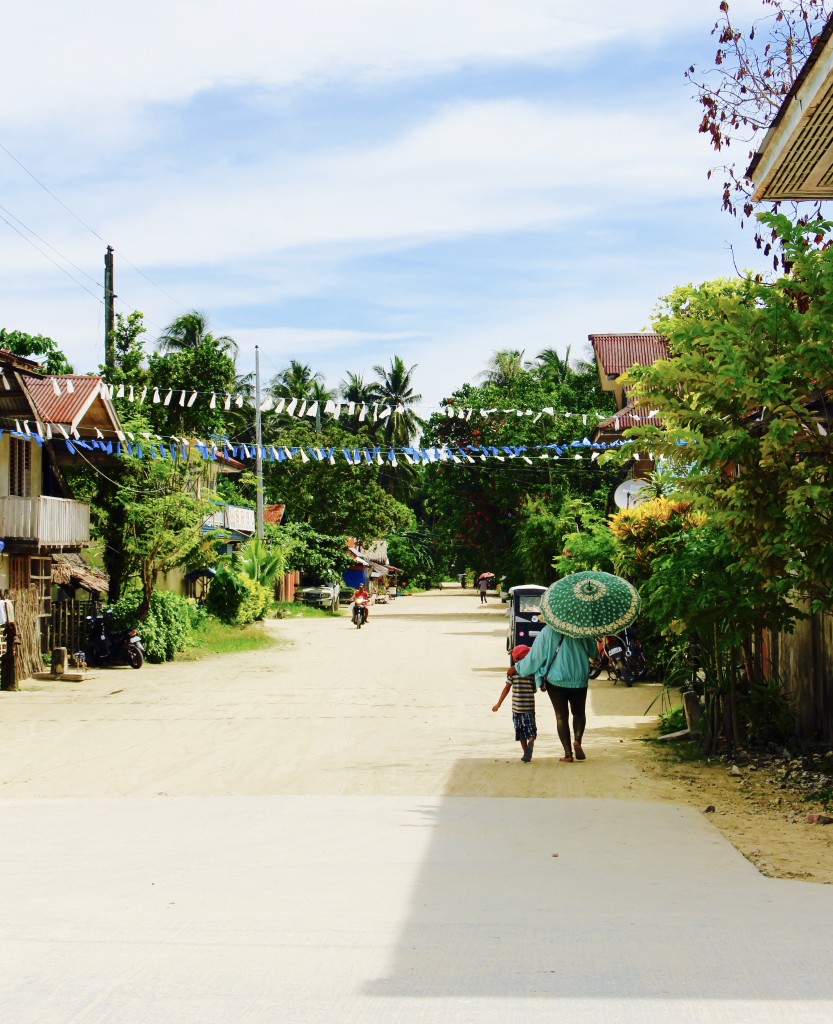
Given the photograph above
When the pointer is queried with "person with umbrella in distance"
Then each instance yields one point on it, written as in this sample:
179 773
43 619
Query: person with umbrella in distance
483 581
576 610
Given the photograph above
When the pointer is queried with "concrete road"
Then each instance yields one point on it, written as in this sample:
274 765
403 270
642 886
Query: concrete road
349 835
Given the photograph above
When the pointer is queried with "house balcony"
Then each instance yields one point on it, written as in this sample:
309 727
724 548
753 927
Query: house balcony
49 522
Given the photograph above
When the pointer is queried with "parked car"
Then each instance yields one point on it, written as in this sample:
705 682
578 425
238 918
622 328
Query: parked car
324 596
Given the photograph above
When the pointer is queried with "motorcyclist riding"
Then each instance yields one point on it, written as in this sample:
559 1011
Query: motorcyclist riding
360 592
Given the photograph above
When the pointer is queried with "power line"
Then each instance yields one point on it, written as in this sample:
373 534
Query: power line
54 262
84 224
48 244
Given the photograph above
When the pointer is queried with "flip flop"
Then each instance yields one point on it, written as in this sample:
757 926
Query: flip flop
527 755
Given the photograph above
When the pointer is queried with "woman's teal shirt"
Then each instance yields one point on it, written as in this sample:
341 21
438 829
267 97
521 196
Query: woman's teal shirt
571 668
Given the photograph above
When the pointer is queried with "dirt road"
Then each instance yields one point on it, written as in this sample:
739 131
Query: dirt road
401 707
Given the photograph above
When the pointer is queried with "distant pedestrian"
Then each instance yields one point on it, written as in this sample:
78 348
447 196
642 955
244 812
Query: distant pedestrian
483 586
523 703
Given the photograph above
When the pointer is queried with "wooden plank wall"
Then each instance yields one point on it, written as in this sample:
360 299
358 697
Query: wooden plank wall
804 662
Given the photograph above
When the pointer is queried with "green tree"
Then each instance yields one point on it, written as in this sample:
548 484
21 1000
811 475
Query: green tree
354 388
191 331
155 520
476 509
744 401
37 345
395 388
504 367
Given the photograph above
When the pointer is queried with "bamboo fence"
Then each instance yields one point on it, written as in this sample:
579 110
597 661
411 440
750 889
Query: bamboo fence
28 658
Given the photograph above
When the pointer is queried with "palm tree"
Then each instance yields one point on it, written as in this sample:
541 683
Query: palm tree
191 330
355 389
504 367
394 387
298 381
551 365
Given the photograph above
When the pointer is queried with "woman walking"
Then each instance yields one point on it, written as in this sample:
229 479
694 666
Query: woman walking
564 663
576 609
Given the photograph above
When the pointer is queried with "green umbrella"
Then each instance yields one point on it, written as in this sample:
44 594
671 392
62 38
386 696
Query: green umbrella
590 604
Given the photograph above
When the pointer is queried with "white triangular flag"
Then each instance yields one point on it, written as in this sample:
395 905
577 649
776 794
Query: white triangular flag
55 386
293 405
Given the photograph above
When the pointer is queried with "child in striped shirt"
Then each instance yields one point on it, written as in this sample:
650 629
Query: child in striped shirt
523 703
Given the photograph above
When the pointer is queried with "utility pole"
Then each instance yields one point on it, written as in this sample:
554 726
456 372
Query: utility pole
109 310
258 456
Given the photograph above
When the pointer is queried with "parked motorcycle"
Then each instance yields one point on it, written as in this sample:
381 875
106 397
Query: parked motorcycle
117 647
359 612
622 656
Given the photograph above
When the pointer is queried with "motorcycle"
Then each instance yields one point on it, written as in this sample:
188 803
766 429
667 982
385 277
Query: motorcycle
359 612
622 656
119 647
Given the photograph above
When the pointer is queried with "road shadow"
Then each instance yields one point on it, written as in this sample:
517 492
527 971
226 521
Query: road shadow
576 898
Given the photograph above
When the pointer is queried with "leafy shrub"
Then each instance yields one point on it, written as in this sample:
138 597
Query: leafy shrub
236 599
168 626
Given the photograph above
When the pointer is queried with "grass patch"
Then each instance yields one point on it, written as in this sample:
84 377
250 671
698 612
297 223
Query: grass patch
296 610
215 637
672 720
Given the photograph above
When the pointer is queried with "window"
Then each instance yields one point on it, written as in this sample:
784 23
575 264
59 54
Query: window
20 467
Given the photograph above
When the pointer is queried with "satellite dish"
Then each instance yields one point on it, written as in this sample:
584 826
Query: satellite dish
630 493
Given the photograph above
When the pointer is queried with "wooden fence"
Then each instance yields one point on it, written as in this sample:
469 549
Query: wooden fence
803 661
67 626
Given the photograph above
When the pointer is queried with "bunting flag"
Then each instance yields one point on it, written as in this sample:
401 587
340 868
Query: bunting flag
179 448
299 407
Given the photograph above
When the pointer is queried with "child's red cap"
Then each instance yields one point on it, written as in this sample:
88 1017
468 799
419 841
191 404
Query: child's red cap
519 652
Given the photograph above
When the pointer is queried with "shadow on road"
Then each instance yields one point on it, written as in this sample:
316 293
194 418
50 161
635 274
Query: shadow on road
560 898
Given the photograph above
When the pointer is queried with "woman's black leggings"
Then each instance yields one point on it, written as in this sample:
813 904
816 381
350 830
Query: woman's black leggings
566 699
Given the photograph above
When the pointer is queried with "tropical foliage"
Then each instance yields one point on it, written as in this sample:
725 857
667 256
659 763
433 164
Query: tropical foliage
508 516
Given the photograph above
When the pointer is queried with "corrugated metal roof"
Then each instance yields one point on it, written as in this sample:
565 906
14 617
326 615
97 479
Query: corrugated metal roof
274 514
66 407
617 353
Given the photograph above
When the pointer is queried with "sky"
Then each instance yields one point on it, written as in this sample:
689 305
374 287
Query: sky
341 181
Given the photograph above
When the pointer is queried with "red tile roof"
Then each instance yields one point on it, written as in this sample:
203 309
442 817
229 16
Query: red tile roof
625 418
617 353
67 407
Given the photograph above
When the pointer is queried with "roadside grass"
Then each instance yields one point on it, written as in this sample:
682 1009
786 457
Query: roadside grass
215 637
296 610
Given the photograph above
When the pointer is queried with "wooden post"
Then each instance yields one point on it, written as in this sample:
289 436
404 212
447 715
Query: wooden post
8 668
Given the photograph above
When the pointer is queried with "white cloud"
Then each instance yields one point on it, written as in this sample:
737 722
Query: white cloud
473 168
76 61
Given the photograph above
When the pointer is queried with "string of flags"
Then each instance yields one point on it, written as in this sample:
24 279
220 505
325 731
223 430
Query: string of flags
300 408
153 446
296 407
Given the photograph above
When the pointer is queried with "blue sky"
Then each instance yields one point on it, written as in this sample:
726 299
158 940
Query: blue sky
355 179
